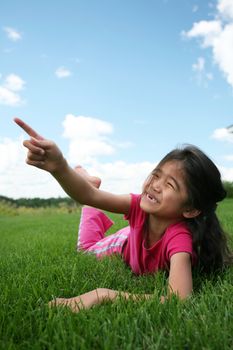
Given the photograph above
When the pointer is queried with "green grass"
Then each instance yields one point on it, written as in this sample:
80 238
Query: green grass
39 261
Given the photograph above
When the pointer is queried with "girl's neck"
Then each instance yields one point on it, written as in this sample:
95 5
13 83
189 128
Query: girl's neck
156 229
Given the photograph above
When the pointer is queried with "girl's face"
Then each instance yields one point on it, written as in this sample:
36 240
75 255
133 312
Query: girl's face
165 193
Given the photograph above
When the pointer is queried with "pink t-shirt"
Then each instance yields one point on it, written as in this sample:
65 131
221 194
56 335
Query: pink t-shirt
177 238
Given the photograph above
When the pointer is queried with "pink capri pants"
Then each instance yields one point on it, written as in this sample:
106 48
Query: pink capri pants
92 228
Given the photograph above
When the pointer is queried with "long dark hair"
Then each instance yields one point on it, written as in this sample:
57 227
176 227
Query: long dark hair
205 190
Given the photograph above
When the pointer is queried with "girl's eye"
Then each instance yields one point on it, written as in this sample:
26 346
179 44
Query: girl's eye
171 185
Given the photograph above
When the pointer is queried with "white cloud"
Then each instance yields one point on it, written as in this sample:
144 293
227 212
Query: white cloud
17 179
207 30
10 153
9 90
222 134
225 135
223 52
62 72
14 82
125 144
12 33
227 173
88 138
217 35
8 97
122 177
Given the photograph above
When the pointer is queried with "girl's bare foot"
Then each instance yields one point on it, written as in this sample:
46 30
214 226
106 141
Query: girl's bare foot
94 180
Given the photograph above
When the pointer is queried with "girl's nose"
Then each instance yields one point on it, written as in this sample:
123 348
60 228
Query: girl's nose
156 185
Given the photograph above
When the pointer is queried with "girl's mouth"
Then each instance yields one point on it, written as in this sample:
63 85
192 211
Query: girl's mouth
151 199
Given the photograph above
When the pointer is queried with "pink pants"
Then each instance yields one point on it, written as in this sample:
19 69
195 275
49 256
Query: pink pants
92 228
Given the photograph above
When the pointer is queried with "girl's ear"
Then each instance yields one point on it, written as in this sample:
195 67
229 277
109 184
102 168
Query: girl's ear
191 213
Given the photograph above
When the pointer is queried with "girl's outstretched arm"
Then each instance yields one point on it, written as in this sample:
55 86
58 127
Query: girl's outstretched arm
179 283
95 297
44 154
99 295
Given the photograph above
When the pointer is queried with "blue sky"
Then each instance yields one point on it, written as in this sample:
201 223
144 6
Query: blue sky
116 84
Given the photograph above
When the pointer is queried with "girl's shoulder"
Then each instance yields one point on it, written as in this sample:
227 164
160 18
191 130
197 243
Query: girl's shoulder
178 238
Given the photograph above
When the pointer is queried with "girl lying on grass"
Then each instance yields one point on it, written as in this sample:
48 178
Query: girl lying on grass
172 223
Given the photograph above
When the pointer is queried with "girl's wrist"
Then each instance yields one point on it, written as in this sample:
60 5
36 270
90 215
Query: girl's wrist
106 294
60 168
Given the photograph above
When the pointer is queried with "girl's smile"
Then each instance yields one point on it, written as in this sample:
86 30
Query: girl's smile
151 198
165 192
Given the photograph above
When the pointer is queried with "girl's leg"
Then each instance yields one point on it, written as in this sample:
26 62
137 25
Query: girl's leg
112 244
93 226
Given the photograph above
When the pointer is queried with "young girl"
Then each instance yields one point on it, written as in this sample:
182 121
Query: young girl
172 224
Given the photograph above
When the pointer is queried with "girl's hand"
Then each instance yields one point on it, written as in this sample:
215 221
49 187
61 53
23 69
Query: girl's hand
42 153
85 301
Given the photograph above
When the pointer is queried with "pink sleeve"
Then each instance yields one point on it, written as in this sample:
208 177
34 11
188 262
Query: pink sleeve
180 242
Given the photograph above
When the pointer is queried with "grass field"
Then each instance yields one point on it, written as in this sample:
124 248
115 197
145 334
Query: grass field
39 261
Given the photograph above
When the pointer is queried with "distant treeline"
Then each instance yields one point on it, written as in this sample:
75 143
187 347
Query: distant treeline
39 202
68 202
229 188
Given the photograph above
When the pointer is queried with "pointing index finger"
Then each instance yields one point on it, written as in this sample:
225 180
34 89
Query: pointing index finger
28 129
